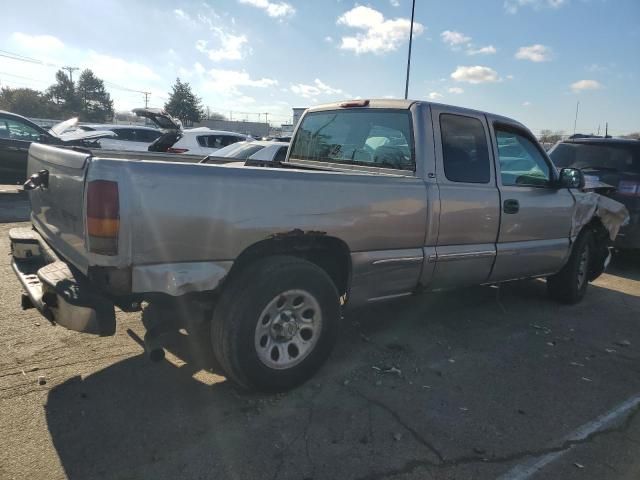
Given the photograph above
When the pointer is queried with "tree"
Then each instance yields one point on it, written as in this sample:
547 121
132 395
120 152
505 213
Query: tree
184 104
63 95
25 101
547 136
95 102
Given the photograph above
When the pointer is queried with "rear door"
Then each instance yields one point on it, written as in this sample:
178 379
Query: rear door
469 199
536 215
57 209
15 138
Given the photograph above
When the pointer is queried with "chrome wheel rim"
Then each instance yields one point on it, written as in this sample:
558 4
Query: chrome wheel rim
583 267
288 329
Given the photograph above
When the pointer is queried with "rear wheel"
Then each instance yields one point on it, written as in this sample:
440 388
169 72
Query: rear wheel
276 323
569 285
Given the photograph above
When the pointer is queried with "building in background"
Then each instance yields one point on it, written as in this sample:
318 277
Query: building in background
297 113
254 129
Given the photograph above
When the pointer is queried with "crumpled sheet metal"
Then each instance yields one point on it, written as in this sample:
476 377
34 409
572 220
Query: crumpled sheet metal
179 278
612 214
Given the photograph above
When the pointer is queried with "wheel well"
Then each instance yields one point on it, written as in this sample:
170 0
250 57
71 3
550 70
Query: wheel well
329 253
601 243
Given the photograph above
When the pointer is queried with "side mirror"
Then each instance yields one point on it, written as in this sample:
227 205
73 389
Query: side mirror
571 178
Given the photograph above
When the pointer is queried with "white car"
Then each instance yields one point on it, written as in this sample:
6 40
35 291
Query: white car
126 137
254 153
204 141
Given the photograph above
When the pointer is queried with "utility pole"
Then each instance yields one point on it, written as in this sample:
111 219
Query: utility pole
70 70
598 134
606 130
230 116
266 118
146 99
576 119
406 86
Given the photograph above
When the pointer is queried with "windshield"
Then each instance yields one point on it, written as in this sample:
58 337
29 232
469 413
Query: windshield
619 158
240 150
377 138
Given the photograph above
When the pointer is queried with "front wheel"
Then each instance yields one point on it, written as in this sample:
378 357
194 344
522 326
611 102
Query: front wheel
569 285
276 323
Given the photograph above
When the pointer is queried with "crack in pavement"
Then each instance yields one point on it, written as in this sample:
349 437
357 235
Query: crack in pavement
443 463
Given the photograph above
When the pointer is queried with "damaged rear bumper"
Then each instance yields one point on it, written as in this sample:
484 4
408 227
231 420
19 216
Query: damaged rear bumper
56 289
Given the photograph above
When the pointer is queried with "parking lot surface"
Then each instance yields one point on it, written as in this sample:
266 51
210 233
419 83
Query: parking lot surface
477 383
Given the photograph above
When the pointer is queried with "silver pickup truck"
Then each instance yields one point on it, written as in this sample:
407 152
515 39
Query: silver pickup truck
377 199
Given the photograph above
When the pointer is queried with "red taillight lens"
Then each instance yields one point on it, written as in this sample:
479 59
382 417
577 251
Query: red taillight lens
177 150
629 188
103 217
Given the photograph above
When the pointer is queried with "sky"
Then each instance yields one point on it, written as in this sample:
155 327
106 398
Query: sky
531 60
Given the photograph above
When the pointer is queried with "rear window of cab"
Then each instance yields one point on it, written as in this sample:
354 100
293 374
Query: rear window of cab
368 137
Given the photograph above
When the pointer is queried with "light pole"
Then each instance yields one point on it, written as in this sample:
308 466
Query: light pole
406 86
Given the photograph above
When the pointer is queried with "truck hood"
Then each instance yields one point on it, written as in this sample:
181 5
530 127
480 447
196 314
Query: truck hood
68 131
161 118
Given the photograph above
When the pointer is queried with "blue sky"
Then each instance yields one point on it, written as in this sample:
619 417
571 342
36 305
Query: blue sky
528 59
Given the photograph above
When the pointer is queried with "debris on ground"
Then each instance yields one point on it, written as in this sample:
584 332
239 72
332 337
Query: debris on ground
578 465
42 380
586 379
451 360
365 338
385 369
551 344
544 329
346 382
576 364
479 451
610 350
623 343
397 437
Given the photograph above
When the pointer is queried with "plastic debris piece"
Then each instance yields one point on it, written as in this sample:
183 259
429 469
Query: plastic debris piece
577 364
451 360
623 343
586 379
610 350
551 344
578 465
42 380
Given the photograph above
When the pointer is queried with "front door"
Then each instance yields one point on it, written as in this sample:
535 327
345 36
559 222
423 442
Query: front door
469 199
15 139
536 215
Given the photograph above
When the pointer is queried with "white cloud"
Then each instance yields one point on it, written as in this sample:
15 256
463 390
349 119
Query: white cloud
232 47
512 6
526 104
534 53
453 38
509 77
119 70
434 96
394 3
318 88
455 90
228 81
475 74
379 35
328 39
39 43
582 85
179 13
273 9
488 50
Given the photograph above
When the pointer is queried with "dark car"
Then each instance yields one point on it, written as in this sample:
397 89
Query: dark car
16 135
614 161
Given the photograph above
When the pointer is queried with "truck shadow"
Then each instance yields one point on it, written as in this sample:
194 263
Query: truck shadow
14 207
358 417
626 264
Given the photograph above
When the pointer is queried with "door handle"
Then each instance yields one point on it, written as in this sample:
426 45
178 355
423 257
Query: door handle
511 205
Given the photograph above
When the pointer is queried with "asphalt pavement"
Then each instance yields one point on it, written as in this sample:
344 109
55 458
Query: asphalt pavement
478 383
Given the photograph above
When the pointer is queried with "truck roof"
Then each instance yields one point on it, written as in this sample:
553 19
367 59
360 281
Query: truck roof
397 103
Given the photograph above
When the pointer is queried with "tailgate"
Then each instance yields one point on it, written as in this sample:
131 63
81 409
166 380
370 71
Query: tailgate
57 208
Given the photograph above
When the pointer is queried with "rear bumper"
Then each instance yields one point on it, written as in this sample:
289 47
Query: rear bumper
56 288
628 237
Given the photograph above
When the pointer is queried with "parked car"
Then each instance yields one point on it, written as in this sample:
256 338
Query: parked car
376 200
17 133
259 153
612 161
193 141
126 137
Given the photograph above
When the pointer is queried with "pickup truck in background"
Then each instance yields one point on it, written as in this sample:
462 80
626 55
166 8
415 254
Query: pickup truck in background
377 199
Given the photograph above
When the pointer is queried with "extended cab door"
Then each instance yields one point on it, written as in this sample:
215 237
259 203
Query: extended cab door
469 199
536 215
15 138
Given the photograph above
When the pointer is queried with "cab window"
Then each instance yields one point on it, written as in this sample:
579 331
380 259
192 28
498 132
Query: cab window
521 161
465 153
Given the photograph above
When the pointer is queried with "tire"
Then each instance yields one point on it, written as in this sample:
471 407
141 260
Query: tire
569 285
267 307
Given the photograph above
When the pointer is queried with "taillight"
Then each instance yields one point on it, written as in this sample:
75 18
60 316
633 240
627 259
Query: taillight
355 103
629 189
103 217
177 150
